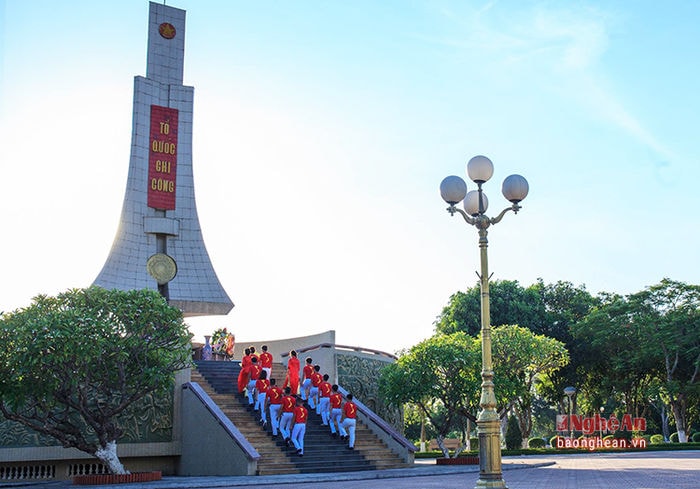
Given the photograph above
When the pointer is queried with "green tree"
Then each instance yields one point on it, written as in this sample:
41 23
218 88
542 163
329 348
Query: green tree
415 425
442 376
441 371
644 352
513 434
565 305
510 303
545 309
668 313
619 371
71 365
521 358
544 416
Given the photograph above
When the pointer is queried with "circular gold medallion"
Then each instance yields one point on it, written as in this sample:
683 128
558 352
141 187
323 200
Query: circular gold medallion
162 268
167 30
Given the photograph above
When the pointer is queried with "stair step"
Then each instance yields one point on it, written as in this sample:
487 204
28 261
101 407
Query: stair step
322 453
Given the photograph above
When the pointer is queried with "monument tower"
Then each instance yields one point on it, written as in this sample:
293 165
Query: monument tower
159 242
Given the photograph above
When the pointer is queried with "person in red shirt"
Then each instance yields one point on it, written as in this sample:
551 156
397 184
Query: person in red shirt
266 361
288 404
306 378
299 430
324 399
245 372
292 379
261 387
254 373
316 379
274 400
336 401
349 420
253 354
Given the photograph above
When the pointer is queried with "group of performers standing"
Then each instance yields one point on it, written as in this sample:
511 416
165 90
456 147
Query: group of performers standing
287 404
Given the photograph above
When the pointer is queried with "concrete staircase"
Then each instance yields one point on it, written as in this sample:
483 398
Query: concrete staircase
322 453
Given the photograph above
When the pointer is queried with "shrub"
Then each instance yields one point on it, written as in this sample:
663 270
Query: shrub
624 435
674 437
536 443
474 442
553 441
656 439
696 437
514 437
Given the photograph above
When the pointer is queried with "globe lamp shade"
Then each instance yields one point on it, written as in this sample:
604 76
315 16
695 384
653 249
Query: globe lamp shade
515 188
471 202
453 189
479 169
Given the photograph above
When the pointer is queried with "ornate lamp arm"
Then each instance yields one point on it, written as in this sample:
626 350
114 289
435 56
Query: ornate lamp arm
515 208
452 209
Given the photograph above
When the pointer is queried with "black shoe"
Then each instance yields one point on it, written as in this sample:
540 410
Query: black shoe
351 448
286 442
334 435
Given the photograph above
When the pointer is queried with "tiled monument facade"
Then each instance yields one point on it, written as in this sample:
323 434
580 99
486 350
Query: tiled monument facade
159 243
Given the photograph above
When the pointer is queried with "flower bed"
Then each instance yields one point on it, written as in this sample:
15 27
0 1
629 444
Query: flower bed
97 479
469 460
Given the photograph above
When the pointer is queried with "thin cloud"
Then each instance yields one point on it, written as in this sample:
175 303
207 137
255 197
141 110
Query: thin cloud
565 46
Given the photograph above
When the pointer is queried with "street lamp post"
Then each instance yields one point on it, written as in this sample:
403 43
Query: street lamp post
454 190
570 391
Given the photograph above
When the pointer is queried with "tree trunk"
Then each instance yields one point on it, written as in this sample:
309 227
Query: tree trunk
469 434
665 430
524 413
441 445
679 411
108 456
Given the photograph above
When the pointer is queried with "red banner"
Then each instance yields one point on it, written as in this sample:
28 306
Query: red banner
162 158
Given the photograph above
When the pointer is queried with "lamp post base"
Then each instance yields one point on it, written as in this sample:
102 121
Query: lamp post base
490 471
495 484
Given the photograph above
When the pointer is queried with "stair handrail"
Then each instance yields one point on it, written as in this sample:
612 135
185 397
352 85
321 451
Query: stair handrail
359 349
223 420
379 422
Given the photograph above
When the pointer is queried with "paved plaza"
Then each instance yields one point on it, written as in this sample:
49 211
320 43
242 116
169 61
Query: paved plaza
639 470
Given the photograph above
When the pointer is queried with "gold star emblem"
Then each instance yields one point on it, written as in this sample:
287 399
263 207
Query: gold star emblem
167 30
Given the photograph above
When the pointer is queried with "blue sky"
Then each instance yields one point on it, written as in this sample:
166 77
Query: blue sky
322 131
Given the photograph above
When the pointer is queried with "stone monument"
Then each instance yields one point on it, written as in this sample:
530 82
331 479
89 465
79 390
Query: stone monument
159 242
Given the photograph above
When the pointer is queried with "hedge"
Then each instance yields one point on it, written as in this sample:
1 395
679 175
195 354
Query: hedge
656 439
536 443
